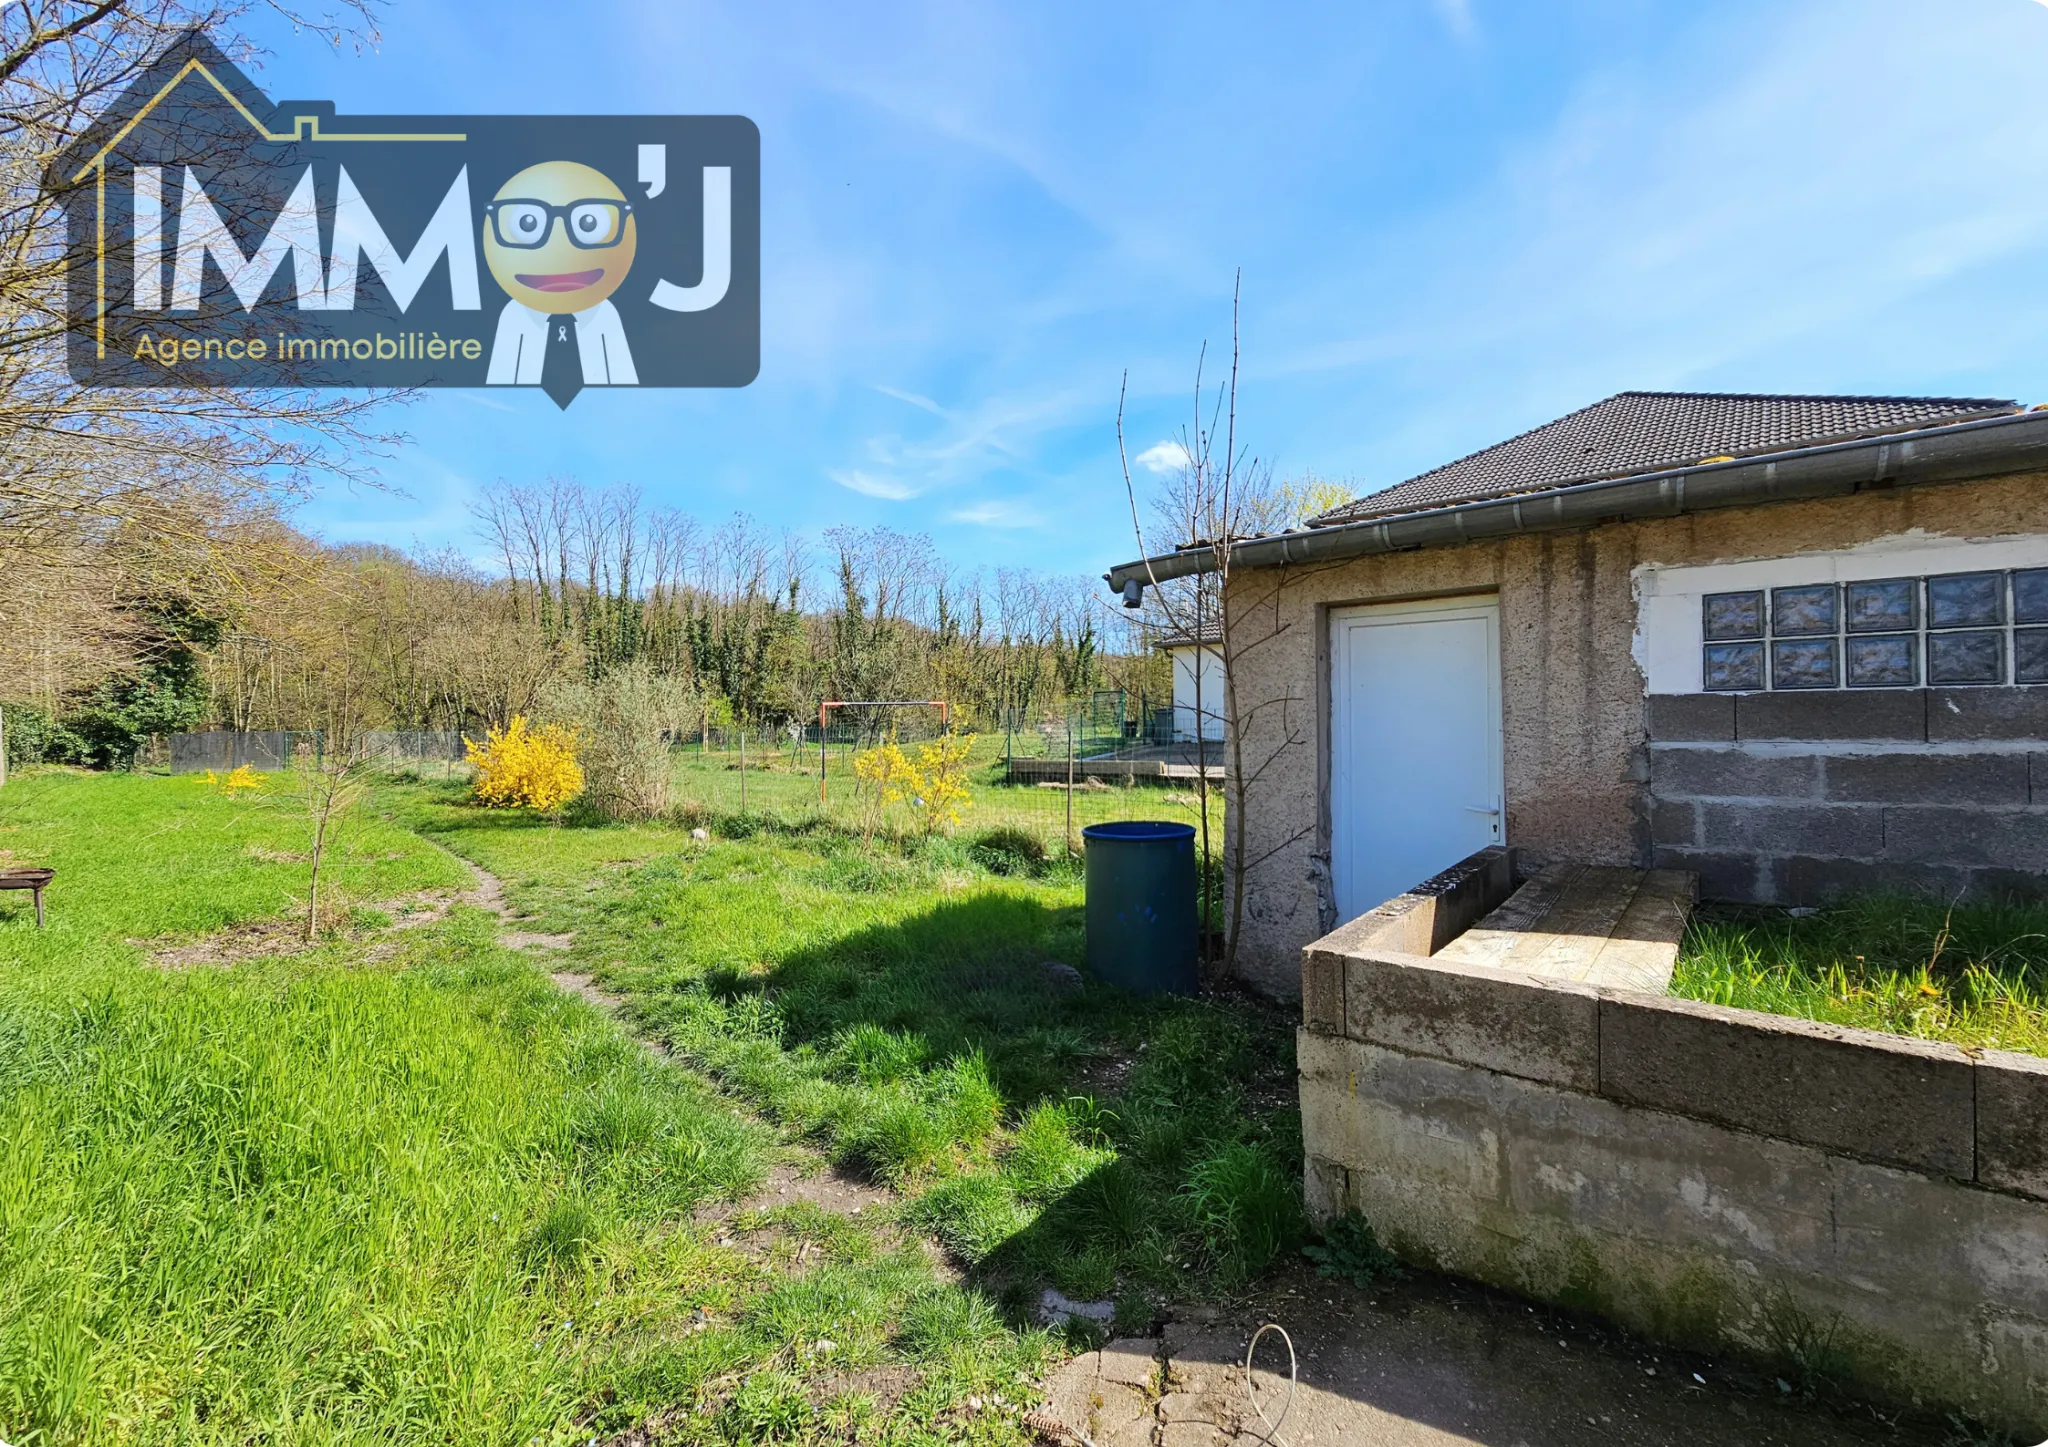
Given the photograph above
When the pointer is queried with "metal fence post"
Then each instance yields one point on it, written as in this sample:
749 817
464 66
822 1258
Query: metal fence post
1070 782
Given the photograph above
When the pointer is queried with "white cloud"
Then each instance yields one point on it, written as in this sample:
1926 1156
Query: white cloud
1163 458
915 400
868 485
999 515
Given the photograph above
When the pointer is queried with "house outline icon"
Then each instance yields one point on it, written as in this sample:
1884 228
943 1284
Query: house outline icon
192 54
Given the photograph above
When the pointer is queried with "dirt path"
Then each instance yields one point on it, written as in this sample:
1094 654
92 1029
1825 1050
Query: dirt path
801 1175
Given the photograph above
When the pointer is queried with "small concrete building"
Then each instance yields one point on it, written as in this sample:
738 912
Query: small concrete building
1797 645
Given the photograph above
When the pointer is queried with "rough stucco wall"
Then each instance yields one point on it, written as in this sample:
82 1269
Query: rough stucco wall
1572 696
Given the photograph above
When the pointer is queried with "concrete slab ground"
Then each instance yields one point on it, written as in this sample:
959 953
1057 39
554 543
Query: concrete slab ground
1428 1362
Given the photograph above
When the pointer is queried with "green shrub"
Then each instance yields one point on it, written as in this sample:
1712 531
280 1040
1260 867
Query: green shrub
624 721
33 737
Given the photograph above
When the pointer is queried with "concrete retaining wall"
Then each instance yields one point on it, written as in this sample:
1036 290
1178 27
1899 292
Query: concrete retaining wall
1796 798
1715 1178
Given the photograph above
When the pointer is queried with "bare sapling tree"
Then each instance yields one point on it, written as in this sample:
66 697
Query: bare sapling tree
332 772
1218 496
1199 507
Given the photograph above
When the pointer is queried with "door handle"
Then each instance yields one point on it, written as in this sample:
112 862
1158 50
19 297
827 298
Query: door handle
1481 809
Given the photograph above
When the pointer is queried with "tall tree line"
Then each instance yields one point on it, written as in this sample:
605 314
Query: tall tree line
760 625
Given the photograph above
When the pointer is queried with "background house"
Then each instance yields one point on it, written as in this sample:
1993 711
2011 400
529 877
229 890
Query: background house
1790 643
1196 713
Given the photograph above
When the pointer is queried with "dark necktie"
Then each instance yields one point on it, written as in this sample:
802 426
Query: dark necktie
561 367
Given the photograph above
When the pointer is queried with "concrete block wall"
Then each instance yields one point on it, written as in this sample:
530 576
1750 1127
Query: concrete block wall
1715 1178
1796 798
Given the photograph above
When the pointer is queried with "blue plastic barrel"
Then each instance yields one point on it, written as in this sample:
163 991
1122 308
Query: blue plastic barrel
1141 906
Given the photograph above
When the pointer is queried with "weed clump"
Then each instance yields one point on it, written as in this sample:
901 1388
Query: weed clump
1350 1252
1008 849
767 1407
1247 1210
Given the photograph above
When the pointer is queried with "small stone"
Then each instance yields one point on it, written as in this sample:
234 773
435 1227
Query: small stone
1055 1309
700 834
1063 978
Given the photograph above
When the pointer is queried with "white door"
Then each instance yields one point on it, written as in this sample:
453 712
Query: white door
1415 744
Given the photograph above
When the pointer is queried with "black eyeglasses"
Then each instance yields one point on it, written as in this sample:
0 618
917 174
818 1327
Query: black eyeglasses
528 224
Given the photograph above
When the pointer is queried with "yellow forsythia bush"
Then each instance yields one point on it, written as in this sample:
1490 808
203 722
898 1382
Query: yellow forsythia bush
243 777
523 768
935 784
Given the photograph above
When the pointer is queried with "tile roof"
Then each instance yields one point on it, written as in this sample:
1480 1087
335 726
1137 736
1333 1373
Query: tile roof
1637 432
1212 634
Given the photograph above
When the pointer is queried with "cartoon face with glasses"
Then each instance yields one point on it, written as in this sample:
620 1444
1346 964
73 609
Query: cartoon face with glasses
560 237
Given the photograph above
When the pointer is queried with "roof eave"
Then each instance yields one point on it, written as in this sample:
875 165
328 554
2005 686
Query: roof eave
1958 452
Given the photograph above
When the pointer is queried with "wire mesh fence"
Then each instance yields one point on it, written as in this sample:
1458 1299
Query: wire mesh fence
777 774
265 750
273 750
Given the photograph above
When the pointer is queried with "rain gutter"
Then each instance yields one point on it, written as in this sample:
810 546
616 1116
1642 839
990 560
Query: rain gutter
1986 447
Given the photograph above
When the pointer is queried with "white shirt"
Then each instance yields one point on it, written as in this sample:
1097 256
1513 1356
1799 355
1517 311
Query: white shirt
522 345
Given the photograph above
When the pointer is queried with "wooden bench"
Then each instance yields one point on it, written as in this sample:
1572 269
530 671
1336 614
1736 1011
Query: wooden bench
30 879
1582 922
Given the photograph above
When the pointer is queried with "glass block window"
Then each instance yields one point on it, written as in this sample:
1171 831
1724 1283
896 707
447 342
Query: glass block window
1973 657
2030 595
1735 615
2030 655
1803 663
1890 660
1953 629
1966 600
1803 612
1737 667
1890 606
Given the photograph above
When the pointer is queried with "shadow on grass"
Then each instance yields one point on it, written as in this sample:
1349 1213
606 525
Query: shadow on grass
1051 1131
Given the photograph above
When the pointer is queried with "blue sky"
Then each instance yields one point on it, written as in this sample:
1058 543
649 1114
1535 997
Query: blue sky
1456 219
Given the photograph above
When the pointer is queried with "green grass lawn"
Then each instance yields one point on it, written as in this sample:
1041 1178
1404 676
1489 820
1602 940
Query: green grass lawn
889 1001
1974 975
401 1188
